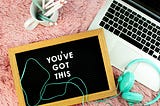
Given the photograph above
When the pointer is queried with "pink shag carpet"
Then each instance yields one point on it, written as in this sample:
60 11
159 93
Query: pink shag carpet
74 17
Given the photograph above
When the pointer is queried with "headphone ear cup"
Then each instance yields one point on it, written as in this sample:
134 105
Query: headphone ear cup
132 97
126 81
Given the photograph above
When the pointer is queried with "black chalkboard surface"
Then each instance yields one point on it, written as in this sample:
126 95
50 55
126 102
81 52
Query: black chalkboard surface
63 71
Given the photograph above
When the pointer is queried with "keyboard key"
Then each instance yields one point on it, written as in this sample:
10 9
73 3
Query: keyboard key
106 26
129 10
115 2
124 7
129 33
157 44
149 33
148 38
149 22
102 23
153 24
143 35
120 27
131 16
129 27
154 30
157 50
145 30
131 22
144 19
135 25
158 38
158 33
145 24
148 44
145 49
140 27
125 24
153 41
154 56
134 30
113 5
126 13
111 29
151 52
110 22
115 19
130 40
111 10
117 14
124 30
109 15
120 5
138 16
122 10
117 8
138 38
139 33
158 27
116 32
136 19
150 27
115 25
134 36
105 19
122 16
143 41
120 21
134 13
154 36
126 19
152 47
140 22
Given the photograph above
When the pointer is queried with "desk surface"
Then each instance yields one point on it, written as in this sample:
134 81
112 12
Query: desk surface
74 17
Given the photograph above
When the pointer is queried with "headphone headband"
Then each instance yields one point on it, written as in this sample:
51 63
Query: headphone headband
154 66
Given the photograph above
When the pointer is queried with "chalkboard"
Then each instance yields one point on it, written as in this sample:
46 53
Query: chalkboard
81 58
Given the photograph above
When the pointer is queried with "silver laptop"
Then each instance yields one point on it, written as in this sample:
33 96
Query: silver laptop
132 30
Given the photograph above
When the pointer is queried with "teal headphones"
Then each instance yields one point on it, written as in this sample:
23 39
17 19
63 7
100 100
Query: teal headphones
126 82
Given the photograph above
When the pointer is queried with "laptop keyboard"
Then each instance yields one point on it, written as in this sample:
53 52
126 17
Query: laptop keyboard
133 28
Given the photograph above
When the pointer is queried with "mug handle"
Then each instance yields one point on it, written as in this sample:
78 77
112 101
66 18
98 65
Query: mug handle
30 24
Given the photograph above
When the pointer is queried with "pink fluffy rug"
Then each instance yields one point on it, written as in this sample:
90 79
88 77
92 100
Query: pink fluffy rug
74 17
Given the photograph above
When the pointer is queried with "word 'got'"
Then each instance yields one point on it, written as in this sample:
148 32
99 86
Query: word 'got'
61 66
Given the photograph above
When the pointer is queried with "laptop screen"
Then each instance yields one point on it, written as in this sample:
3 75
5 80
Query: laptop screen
149 7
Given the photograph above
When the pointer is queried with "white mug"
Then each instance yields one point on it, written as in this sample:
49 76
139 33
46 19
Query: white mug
32 22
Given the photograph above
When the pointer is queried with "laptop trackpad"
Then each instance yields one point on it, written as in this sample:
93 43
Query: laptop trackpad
121 55
151 78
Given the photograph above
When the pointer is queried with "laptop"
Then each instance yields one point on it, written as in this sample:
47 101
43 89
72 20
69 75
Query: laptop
132 30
